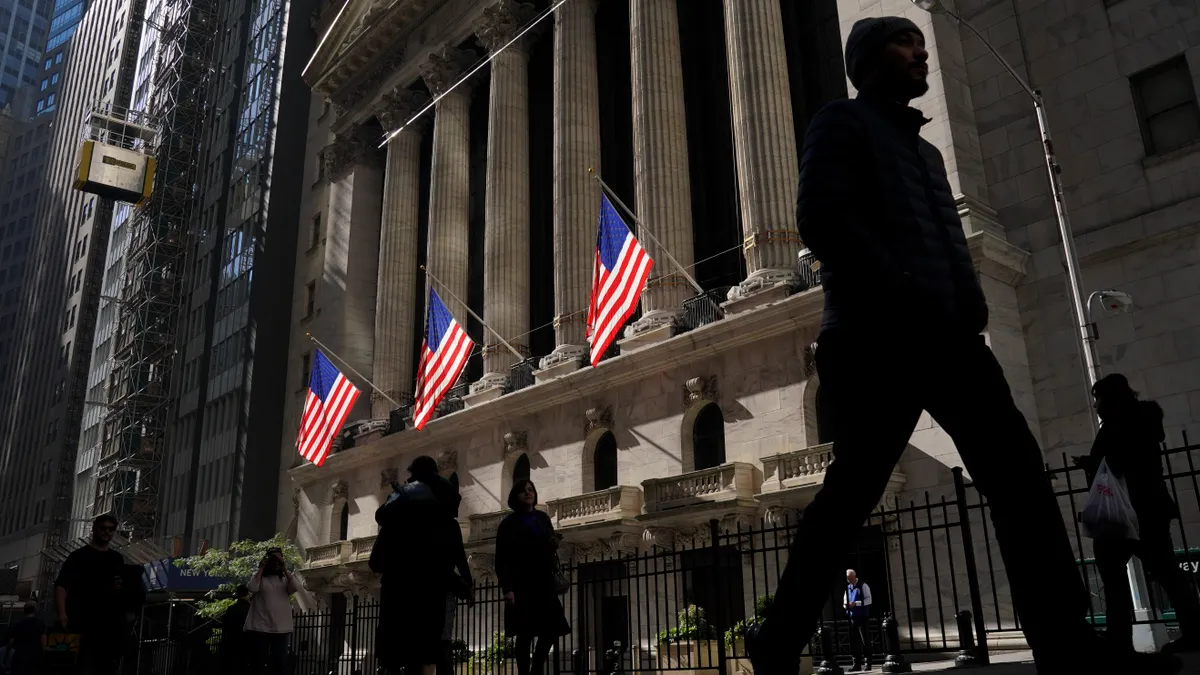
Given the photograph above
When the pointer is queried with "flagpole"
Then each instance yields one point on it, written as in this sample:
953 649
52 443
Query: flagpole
351 369
642 228
473 314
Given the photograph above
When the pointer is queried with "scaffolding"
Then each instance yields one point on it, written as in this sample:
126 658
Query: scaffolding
161 234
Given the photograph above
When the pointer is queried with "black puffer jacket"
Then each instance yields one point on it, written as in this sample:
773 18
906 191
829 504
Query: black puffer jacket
876 209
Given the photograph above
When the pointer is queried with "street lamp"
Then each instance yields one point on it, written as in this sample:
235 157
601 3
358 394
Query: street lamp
1079 309
1115 302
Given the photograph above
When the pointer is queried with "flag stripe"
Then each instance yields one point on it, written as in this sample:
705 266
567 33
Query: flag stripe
440 366
330 399
615 291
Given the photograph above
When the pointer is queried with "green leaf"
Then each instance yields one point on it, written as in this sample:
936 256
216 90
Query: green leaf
239 562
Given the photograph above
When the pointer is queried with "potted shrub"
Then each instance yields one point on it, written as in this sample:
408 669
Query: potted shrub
499 657
735 637
691 646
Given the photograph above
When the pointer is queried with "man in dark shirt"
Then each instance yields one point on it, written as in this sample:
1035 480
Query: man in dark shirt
28 642
88 595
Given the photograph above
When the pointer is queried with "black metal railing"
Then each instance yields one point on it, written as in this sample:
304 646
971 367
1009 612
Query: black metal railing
809 269
705 308
1071 489
521 374
453 401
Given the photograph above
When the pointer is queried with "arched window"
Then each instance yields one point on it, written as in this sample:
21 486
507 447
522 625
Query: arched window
344 527
521 469
824 416
708 438
605 461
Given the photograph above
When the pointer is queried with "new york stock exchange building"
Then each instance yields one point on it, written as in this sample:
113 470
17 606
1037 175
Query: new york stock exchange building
706 419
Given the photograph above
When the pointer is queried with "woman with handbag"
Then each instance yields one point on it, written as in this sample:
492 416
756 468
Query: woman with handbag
527 565
1131 432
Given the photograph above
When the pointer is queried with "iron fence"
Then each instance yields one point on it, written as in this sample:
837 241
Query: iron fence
1071 489
646 600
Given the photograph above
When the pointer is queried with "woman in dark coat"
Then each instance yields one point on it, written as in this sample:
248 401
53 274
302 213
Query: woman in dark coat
1129 438
525 564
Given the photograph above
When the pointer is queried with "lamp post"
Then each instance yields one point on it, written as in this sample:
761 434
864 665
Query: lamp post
1116 302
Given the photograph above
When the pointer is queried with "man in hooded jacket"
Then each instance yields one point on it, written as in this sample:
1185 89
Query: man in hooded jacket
901 334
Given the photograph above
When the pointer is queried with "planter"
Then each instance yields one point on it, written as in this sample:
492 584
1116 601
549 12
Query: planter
689 656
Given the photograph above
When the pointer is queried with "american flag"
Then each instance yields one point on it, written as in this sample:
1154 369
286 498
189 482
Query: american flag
622 267
330 398
443 356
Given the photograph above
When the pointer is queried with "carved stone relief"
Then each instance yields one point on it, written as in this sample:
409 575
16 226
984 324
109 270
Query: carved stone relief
502 21
700 389
343 152
483 566
445 67
597 418
515 442
447 461
810 359
341 490
397 106
389 476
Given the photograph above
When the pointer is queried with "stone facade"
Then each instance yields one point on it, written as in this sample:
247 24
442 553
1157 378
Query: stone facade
1134 211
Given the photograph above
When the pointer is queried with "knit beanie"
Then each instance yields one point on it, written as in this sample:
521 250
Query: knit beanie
866 40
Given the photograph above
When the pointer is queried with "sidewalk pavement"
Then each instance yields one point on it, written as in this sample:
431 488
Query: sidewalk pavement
1021 663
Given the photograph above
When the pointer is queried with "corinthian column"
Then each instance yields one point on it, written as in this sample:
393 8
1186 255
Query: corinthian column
395 312
660 159
576 197
506 201
450 189
766 143
350 272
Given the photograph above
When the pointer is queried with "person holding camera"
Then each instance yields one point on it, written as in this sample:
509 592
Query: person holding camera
269 621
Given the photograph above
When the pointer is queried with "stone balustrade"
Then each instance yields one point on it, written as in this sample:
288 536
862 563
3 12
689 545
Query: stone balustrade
614 504
324 555
800 468
339 553
484 525
360 549
725 483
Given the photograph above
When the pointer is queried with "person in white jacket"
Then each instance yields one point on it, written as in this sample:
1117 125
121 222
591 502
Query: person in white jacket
857 602
269 622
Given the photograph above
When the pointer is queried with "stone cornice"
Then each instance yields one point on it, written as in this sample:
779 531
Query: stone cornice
996 258
800 313
345 151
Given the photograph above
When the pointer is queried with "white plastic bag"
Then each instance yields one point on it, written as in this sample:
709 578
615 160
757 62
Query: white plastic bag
1108 513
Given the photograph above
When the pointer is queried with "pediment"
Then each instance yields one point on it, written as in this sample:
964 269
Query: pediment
362 32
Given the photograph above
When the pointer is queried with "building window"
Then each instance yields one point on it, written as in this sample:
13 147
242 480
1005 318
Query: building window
708 438
310 299
520 470
54 78
1166 106
58 58
305 369
314 235
344 525
48 64
605 462
45 83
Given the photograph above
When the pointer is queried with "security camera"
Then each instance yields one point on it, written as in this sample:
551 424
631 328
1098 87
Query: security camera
1115 303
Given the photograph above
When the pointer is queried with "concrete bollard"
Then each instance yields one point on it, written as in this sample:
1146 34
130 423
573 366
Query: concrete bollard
895 662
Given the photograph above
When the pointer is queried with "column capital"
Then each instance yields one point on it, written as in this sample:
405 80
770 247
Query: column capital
398 105
346 150
443 68
501 22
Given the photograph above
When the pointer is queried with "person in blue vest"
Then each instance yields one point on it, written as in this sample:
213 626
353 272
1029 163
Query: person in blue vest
857 602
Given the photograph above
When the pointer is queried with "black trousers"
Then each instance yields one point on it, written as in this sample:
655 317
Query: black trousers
860 640
879 384
1157 553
